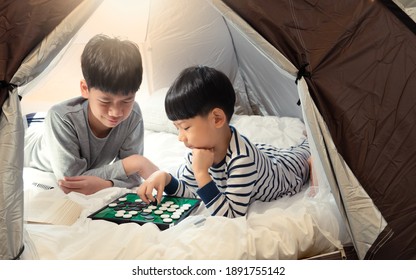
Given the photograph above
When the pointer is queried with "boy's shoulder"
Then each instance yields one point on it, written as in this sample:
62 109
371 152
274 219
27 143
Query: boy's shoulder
238 142
71 111
135 114
136 109
68 106
237 136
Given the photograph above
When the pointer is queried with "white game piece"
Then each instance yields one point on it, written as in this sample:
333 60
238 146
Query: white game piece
122 199
169 202
175 216
163 208
171 209
112 204
133 212
138 200
147 210
127 216
167 220
158 212
152 207
119 215
174 206
179 213
164 216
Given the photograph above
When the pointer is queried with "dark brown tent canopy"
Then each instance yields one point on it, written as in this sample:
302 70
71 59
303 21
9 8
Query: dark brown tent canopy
23 25
359 61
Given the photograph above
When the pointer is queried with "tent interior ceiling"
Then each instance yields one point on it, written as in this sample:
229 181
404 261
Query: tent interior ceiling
272 93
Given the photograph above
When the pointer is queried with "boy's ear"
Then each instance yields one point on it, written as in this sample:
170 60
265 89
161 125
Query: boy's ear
219 117
84 89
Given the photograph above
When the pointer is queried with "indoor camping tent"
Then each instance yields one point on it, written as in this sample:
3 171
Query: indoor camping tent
347 68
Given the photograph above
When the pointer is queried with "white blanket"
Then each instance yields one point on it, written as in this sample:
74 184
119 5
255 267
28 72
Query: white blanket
301 226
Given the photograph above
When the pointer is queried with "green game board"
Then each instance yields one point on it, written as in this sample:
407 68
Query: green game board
129 208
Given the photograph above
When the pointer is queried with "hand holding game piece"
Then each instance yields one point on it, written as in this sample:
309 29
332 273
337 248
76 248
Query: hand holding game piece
155 202
157 181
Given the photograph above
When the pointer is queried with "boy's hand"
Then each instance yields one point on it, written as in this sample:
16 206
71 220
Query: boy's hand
83 184
158 180
202 160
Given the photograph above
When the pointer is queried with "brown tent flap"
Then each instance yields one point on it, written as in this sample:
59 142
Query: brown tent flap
23 24
359 61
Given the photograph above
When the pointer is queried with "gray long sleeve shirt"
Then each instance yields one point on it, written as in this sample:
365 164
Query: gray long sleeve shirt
68 147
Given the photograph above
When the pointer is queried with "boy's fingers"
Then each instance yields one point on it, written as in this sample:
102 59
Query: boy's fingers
67 188
73 178
143 192
69 184
149 195
143 197
159 196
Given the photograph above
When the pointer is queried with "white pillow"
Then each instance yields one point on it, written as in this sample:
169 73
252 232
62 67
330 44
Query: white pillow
153 111
277 131
281 132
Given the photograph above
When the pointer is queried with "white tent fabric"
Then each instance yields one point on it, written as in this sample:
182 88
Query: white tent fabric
11 180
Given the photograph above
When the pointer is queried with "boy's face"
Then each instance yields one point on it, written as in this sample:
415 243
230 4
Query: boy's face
198 132
203 132
107 110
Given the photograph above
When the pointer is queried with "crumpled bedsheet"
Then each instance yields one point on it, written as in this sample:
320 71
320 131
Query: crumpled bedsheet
290 228
301 226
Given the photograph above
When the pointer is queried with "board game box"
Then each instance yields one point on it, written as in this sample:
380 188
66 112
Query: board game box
130 208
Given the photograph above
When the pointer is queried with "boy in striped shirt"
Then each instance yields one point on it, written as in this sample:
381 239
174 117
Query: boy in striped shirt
224 168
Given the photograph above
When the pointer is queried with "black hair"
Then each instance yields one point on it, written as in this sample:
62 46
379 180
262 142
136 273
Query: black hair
112 65
196 91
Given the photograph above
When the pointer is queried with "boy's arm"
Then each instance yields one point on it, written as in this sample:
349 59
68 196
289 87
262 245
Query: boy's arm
83 184
235 200
63 154
63 144
231 203
139 164
184 185
62 147
132 145
134 164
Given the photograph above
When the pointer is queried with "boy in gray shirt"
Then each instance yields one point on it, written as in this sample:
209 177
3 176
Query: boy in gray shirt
95 141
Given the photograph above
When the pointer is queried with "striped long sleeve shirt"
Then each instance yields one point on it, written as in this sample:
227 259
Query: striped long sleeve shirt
249 172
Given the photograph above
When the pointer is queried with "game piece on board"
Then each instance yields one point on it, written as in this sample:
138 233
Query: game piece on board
130 208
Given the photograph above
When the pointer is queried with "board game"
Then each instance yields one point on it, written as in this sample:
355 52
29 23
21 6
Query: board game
130 208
